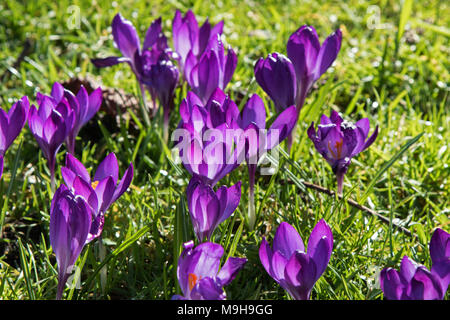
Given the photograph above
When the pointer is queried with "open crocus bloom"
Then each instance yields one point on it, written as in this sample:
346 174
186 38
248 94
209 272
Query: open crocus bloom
338 141
198 271
287 262
189 38
11 123
208 208
70 222
101 191
84 107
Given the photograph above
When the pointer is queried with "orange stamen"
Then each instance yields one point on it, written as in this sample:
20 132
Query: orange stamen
192 280
94 184
338 145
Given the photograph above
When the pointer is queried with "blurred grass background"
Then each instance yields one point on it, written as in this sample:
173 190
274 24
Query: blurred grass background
393 68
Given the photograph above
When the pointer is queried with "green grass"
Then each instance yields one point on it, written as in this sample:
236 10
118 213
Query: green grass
398 78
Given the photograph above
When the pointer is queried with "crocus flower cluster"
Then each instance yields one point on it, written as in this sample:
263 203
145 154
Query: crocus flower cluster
338 141
198 271
11 124
151 64
287 80
416 282
290 266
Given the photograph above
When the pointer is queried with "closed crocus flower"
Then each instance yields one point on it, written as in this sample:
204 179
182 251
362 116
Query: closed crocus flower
70 222
188 37
209 208
258 140
289 265
84 106
101 191
11 123
310 59
212 70
440 257
338 141
276 76
51 124
198 272
412 282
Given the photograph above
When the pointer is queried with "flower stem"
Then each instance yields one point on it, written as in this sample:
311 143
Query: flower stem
251 196
340 182
143 105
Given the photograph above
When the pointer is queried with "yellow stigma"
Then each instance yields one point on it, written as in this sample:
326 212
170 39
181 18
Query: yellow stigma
94 184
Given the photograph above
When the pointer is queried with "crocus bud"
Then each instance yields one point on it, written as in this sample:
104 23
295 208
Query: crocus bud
276 76
70 222
290 266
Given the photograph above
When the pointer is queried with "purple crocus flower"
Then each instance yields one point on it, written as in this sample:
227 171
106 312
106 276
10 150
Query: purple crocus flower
212 70
310 59
289 265
440 257
11 123
208 208
338 141
155 53
51 124
84 106
287 80
258 140
416 282
189 38
198 271
101 191
206 143
70 222
413 282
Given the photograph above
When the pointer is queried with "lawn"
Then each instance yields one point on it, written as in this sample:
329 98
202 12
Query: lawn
392 68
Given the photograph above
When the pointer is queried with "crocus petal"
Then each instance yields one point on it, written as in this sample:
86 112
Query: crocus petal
230 269
287 240
425 286
125 36
254 112
300 276
328 53
74 165
408 268
109 61
105 192
207 289
108 167
124 182
391 284
228 200
320 246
